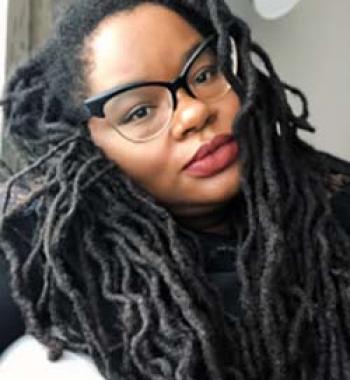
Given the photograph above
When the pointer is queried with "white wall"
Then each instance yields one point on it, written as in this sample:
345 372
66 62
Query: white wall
310 48
3 35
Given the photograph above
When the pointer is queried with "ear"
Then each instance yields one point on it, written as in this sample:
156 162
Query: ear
93 127
95 123
100 131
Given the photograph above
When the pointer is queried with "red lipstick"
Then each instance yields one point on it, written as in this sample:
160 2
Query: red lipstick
213 157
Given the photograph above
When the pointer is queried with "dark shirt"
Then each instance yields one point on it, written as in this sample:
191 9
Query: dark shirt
11 324
218 263
220 267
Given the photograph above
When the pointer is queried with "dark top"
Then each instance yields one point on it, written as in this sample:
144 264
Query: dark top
218 263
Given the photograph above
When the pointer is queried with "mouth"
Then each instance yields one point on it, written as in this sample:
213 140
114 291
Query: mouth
213 157
209 148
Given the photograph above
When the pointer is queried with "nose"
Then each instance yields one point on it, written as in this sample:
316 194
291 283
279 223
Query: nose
191 115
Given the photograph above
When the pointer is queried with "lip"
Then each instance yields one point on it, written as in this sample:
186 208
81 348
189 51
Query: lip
214 163
208 148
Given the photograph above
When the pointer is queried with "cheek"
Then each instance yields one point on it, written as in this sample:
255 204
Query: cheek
230 108
145 163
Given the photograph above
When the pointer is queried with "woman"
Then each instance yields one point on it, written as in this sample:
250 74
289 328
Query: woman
178 227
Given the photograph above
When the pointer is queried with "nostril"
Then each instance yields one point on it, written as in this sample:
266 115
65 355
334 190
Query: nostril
209 120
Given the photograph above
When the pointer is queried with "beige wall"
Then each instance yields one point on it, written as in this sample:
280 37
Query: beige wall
311 49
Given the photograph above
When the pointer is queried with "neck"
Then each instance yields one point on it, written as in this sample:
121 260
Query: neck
214 221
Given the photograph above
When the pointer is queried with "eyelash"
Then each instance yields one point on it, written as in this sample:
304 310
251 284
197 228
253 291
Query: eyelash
130 114
213 69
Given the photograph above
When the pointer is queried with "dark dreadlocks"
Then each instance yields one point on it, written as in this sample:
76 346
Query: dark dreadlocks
121 283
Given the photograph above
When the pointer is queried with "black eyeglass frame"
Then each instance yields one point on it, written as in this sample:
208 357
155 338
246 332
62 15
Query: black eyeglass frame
94 105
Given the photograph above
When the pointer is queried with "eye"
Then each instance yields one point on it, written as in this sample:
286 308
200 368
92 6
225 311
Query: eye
206 74
138 114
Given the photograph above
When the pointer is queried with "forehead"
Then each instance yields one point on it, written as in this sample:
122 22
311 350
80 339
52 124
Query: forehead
146 43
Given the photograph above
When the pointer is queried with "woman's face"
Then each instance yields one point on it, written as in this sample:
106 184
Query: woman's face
148 44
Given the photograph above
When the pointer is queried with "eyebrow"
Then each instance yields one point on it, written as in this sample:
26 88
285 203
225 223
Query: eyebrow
186 56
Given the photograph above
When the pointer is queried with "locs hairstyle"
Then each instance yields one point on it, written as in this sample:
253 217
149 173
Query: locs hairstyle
106 271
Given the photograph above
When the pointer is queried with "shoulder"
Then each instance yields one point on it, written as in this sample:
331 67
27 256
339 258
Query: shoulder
27 358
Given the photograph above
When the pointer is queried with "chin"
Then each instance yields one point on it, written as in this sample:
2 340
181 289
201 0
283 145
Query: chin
217 189
206 199
200 194
218 198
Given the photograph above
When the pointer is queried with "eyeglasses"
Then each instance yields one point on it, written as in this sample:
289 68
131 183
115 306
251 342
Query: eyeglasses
140 111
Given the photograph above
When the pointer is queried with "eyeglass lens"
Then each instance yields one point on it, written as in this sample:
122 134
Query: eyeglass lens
141 113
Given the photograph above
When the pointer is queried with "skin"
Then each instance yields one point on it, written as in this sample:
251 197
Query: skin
131 46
